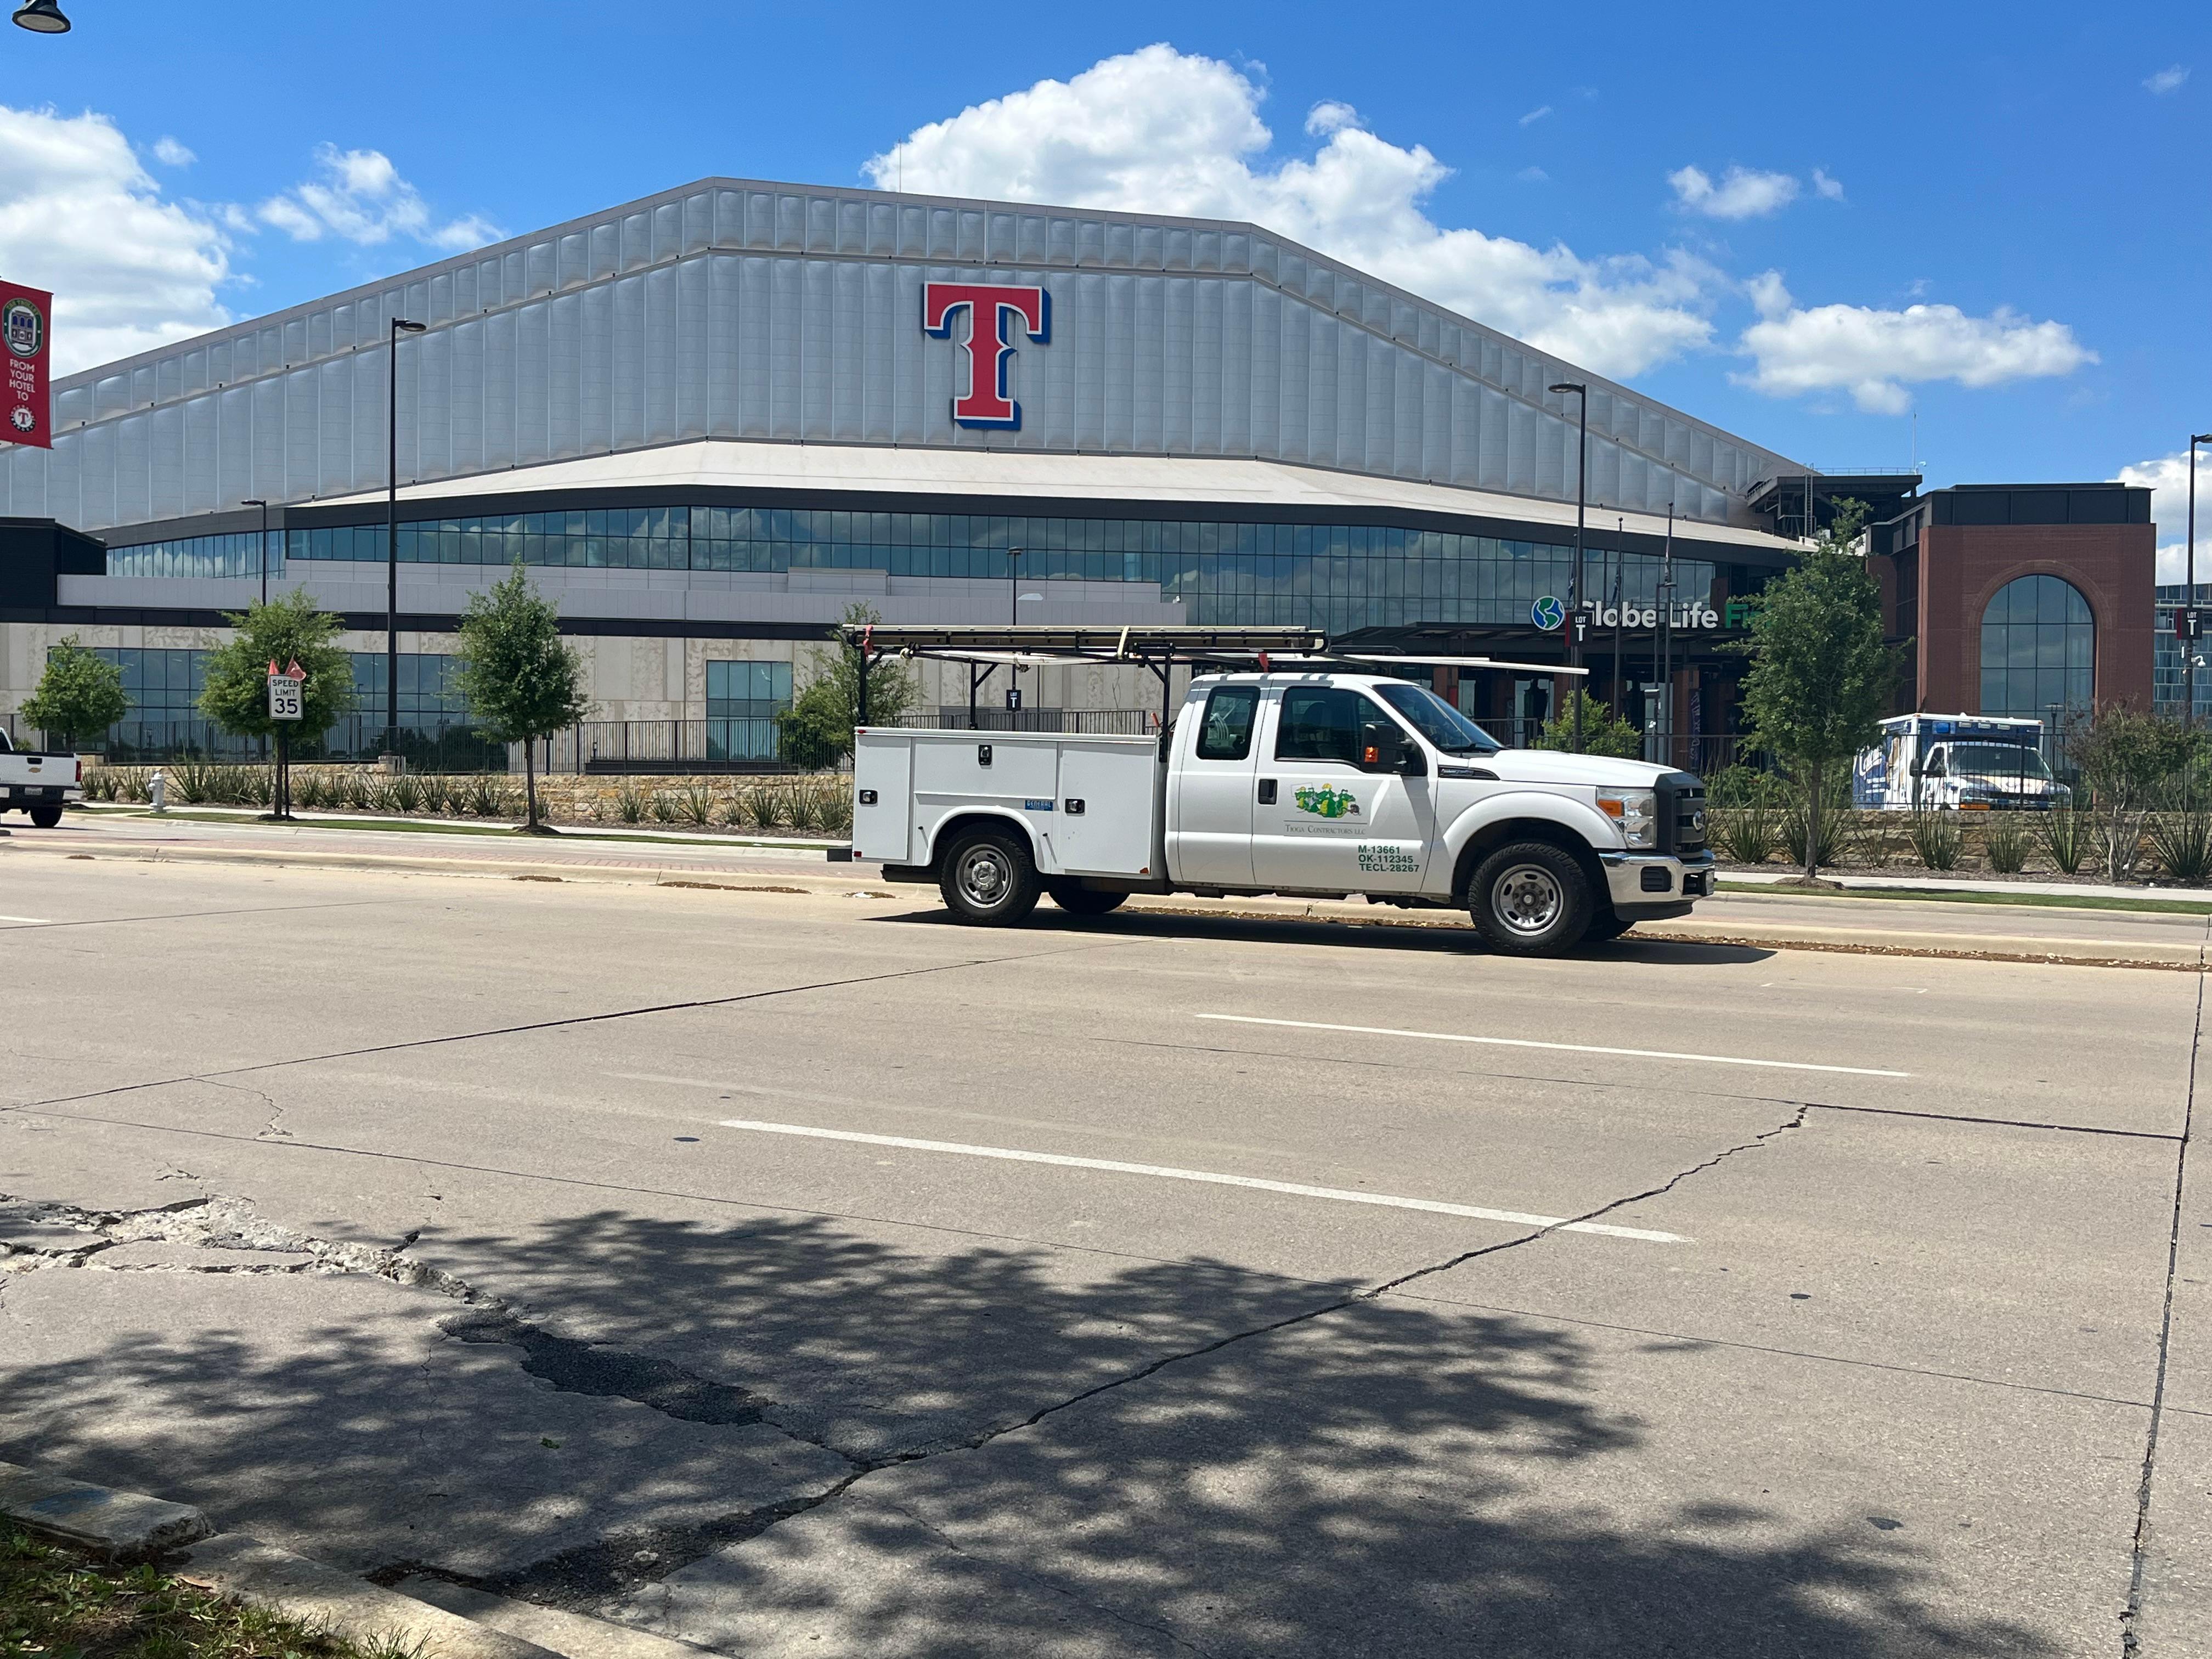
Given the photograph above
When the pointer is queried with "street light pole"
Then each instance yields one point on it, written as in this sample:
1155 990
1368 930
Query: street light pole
1014 585
264 506
399 325
2189 595
1575 581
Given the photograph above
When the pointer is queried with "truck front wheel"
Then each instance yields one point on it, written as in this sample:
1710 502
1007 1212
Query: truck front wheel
1080 901
1530 899
46 817
989 879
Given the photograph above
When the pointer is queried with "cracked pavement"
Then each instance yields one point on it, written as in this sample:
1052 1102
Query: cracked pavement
452 1264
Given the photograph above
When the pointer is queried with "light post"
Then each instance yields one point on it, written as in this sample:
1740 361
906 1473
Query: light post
1666 635
41 17
399 325
264 506
2188 596
1575 581
1014 585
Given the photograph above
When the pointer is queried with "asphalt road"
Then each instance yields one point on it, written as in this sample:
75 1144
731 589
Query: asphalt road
798 1273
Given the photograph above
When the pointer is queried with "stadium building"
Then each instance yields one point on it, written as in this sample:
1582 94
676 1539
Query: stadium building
712 421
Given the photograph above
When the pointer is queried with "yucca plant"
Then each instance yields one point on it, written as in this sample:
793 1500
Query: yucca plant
2066 838
837 809
358 791
1749 834
2182 838
2005 843
735 812
311 790
99 784
765 805
666 808
190 781
695 805
630 802
806 809
1936 838
1833 832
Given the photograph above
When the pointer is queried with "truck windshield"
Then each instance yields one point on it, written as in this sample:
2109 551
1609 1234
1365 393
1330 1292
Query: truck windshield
1997 760
1437 720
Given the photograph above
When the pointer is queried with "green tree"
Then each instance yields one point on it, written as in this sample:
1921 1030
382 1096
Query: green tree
287 629
1821 676
522 680
816 730
1603 732
2130 763
80 695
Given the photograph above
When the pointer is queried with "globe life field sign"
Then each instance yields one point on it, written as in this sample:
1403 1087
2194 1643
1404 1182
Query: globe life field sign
25 346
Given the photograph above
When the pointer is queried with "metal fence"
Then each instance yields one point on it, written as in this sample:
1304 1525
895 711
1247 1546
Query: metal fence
441 747
712 745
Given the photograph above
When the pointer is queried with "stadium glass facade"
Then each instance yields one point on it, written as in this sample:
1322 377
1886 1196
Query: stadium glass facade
1338 577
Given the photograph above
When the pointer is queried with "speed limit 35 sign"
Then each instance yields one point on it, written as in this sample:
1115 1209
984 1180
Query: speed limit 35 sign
284 692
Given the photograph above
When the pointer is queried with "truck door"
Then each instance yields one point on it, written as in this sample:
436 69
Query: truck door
1210 830
1324 821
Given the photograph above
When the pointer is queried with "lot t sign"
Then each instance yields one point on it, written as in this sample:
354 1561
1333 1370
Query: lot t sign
26 344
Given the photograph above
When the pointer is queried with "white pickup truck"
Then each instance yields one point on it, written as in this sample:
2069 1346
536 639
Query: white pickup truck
40 785
1321 783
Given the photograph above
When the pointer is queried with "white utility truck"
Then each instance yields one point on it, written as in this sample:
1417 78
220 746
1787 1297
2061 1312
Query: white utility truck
1958 763
40 785
1314 782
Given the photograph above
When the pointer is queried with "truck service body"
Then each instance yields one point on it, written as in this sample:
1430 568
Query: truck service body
1318 783
39 784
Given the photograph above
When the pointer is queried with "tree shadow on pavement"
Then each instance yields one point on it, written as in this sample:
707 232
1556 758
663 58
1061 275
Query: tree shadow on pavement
1063 1454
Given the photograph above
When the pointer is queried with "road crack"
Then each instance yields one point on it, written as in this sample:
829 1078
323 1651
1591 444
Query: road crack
2130 1638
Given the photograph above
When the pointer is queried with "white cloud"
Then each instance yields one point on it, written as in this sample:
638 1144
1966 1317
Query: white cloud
171 153
1742 192
1828 189
2167 80
1533 176
1875 354
1157 130
2167 479
79 216
359 196
1535 115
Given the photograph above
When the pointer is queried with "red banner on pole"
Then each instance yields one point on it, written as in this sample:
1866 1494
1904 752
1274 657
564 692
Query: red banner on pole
26 330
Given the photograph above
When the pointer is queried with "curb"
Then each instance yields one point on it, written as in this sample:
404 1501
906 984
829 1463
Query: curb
1982 947
445 1621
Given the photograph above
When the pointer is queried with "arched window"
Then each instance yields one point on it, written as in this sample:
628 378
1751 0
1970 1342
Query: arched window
2039 649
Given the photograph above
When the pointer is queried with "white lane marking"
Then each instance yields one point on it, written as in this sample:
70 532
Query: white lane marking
1164 1172
37 921
1565 1048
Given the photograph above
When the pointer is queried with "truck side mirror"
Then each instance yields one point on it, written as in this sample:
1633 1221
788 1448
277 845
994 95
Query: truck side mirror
1378 746
1411 763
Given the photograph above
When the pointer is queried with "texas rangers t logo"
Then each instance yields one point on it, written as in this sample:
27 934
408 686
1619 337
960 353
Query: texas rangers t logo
993 313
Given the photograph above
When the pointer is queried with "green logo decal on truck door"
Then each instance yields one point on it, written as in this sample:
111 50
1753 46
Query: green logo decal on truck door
1329 803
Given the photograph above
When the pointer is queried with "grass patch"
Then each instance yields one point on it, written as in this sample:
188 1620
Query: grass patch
1947 896
56 1601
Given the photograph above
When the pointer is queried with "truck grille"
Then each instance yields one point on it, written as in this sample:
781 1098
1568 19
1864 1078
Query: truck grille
1682 814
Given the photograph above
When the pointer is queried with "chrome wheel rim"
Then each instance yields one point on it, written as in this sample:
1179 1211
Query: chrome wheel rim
986 874
1527 899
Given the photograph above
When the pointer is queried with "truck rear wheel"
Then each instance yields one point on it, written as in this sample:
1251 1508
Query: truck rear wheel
1080 901
46 817
1530 899
989 879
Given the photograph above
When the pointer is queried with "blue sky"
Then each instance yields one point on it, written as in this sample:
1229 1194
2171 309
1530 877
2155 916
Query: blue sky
1993 218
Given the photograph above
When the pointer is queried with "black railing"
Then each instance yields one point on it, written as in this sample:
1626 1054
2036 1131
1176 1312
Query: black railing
357 739
713 746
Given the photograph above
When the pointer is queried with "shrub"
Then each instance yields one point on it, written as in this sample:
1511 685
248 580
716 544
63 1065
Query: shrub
311 790
1747 835
1743 786
1833 830
1872 838
735 812
358 790
2005 843
765 805
2066 838
1936 838
99 784
487 797
837 808
666 808
630 802
192 780
695 805
2182 838
805 804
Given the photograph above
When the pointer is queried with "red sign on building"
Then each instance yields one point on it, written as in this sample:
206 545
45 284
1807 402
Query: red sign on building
26 340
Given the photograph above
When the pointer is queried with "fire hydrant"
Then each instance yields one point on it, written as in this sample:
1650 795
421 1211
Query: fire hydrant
159 790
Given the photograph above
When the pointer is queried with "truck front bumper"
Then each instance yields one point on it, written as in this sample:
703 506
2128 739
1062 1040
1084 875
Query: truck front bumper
1653 885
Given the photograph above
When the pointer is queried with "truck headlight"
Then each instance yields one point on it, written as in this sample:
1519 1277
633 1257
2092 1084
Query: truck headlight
1636 812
